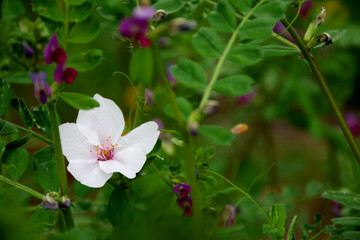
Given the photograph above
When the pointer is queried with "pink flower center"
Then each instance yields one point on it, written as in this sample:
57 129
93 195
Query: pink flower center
105 151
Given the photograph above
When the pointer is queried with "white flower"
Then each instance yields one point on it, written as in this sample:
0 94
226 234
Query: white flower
95 148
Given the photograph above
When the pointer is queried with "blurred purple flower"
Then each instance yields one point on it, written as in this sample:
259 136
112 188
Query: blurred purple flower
52 52
245 99
183 189
136 26
29 52
169 75
353 122
305 8
279 28
149 96
227 216
185 204
160 124
336 209
64 74
42 90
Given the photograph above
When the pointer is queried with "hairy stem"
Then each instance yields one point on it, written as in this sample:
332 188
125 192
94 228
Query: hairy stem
325 89
22 187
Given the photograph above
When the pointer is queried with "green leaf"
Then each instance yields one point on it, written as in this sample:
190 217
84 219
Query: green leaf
16 161
119 209
278 51
48 9
204 154
189 74
224 18
271 230
79 101
352 221
352 235
10 9
313 188
274 9
85 61
292 228
25 113
46 168
169 6
242 6
256 29
7 128
141 68
18 142
208 43
236 85
2 148
277 217
350 200
85 31
218 135
245 54
42 219
21 77
80 190
184 106
5 96
81 12
42 120
76 2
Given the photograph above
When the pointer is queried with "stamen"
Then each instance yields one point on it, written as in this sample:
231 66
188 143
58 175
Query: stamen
90 150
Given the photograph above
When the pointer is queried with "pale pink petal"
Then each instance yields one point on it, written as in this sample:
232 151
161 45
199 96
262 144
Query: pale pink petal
143 137
99 123
74 144
128 162
88 172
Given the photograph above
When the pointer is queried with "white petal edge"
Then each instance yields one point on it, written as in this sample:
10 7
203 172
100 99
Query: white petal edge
74 144
143 137
128 162
99 123
88 173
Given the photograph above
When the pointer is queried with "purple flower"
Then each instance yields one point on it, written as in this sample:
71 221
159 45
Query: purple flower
29 52
353 122
182 189
64 74
336 209
149 96
305 8
227 216
52 52
136 26
42 90
279 28
245 99
185 204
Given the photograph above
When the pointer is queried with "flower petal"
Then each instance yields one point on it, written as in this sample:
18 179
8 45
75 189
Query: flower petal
143 137
99 123
74 144
128 162
88 173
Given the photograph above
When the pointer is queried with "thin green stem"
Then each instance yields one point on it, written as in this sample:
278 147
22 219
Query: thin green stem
222 58
325 89
22 187
240 190
26 130
139 105
317 235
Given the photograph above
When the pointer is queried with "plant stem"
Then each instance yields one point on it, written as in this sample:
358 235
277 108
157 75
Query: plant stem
222 58
325 89
189 158
139 105
22 187
42 138
60 162
285 41
240 190
316 235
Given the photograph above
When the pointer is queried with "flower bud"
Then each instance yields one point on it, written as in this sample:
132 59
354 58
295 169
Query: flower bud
323 38
239 128
160 15
314 25
321 17
29 52
181 25
227 216
211 107
50 202
193 122
65 202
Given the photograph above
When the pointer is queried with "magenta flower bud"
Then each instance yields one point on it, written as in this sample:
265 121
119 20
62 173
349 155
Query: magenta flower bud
64 74
305 8
52 52
183 189
42 90
336 209
185 204
279 28
227 216
29 52
353 122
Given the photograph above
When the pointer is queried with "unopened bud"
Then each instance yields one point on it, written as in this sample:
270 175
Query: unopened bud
211 107
181 25
193 122
160 15
50 202
239 128
65 202
321 17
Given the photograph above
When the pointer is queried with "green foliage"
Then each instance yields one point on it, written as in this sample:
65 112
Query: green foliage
170 6
208 43
22 108
245 54
46 168
236 85
85 61
350 200
18 142
16 161
292 228
5 96
258 28
85 31
277 51
242 6
352 221
223 19
218 135
277 216
141 68
79 101
81 12
119 209
48 9
10 9
6 127
189 73
42 120
21 77
184 106
204 154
